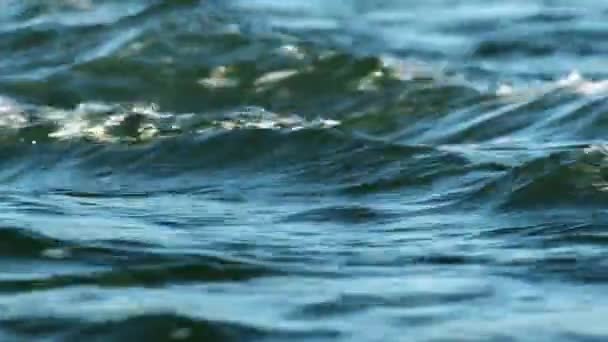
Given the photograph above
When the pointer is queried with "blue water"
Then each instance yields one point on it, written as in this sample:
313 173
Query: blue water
261 170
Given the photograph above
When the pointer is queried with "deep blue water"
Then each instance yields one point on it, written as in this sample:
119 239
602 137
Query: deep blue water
263 170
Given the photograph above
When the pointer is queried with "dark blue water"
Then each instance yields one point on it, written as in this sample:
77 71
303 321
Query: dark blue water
261 170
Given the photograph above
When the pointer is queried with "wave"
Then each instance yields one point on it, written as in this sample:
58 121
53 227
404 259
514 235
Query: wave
167 326
398 144
19 243
461 115
147 276
560 179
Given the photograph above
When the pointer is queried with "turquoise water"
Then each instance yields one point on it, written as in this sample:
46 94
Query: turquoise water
265 170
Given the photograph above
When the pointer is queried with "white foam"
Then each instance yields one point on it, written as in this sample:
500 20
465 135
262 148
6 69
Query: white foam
11 115
504 90
274 76
96 121
593 88
219 78
56 253
574 82
572 79
110 123
370 82
258 118
594 162
292 51
407 70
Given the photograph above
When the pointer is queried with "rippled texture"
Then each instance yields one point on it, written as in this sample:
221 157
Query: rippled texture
260 170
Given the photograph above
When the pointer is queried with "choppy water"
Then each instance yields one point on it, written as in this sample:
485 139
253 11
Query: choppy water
303 170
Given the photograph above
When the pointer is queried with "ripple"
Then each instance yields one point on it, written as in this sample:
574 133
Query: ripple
342 214
168 327
348 304
556 180
16 242
173 323
146 276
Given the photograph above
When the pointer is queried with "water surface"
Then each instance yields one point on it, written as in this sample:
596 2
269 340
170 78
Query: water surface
259 170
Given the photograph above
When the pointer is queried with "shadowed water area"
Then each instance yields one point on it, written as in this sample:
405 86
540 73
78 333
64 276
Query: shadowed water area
309 170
